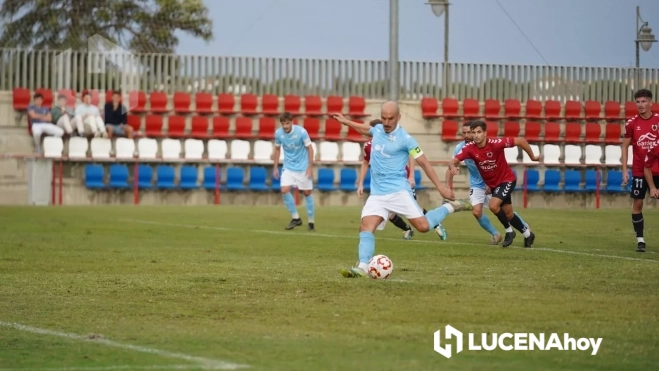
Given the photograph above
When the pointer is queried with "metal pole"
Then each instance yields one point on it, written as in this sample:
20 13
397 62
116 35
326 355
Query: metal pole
394 75
638 57
446 37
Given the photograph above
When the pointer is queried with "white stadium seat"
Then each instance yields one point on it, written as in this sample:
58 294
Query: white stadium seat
78 147
124 148
147 148
194 149
170 149
53 147
101 147
217 149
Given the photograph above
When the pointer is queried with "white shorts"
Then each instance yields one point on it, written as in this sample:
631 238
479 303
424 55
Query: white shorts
401 203
296 179
477 196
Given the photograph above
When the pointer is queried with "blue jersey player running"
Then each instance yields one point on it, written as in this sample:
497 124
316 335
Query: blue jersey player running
298 167
390 190
479 193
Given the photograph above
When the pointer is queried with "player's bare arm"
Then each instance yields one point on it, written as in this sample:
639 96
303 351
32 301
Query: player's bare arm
275 160
432 175
650 179
523 144
363 129
410 164
453 166
362 176
311 157
449 178
626 142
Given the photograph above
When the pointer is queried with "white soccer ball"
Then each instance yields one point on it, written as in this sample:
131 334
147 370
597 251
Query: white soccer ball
380 267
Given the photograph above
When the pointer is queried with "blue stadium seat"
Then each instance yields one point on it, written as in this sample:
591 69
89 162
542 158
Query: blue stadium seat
552 178
209 178
145 177
257 177
275 184
367 180
188 177
94 175
614 181
532 179
417 180
119 177
235 179
572 181
591 180
165 177
348 180
326 179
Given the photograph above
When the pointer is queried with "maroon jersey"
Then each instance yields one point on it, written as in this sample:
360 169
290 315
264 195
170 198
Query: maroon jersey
490 160
652 157
367 156
643 134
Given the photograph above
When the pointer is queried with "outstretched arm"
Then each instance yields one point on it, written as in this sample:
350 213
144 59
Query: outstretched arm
523 144
364 129
432 175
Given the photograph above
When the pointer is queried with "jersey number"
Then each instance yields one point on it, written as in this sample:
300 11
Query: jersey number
639 182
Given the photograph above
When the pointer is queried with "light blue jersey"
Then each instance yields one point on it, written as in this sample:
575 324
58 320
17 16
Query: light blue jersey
475 178
390 153
294 144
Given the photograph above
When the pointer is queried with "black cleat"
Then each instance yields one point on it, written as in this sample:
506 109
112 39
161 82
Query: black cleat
641 247
528 241
312 228
294 223
510 236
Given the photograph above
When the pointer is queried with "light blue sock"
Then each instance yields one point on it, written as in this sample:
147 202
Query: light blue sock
520 218
289 201
309 201
436 216
366 246
484 222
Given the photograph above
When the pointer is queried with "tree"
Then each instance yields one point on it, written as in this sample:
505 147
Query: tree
141 26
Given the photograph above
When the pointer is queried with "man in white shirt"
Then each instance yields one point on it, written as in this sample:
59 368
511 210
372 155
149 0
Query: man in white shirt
90 115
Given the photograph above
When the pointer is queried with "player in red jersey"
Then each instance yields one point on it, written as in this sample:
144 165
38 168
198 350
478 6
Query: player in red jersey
489 156
641 131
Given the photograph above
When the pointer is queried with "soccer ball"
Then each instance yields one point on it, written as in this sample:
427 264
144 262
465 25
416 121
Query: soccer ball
380 267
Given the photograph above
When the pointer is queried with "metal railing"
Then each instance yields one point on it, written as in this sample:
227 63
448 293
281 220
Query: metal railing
81 70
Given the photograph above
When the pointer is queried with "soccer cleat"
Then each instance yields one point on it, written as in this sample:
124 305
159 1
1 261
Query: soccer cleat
528 241
461 205
510 236
496 239
312 228
354 272
294 223
641 247
408 234
441 232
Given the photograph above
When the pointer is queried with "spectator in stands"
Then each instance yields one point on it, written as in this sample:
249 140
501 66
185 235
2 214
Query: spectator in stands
116 118
41 121
88 114
63 116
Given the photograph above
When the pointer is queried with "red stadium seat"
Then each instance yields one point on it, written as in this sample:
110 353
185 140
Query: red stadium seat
655 107
270 104
492 128
532 131
334 104
312 126
226 104
248 104
512 109
553 110
471 109
158 102
199 127
492 109
108 95
267 127
552 132
176 126
533 109
134 121
47 96
332 129
96 97
593 132
630 110
573 110
511 129
572 132
221 127
450 131
612 110
593 110
613 134
153 126
429 108
312 105
244 128
182 102
21 99
355 136
203 103
450 108
71 96
356 106
292 104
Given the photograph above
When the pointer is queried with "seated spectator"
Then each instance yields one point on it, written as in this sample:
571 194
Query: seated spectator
88 114
41 121
62 116
116 118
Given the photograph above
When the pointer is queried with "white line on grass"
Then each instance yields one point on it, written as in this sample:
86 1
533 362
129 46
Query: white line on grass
107 368
206 363
314 234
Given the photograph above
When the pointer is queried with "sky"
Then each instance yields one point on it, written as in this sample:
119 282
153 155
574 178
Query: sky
561 32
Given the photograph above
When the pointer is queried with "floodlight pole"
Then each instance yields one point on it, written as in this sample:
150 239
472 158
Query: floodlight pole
439 8
394 74
644 38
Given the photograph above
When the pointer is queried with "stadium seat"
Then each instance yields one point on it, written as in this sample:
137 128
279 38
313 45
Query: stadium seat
257 177
492 109
243 128
204 103
573 181
532 131
270 104
573 110
553 110
21 99
312 126
552 179
147 148
351 152
612 111
551 153
292 104
332 129
124 148
329 152
593 154
78 147
417 180
512 109
165 177
53 147
170 149
101 148
533 110
235 179
511 129
614 182
225 104
193 149
572 154
592 183
356 106
334 104
267 127
572 132
450 108
248 104
47 96
532 179
525 157
199 127
240 150
471 108
355 136
275 184
613 133
108 96
429 108
118 177
144 176
630 110
511 155
492 128
263 151
135 122
312 105
217 150
450 131
96 97
221 127
348 179
552 132
593 132
188 177
612 155
654 107
325 179
182 102
593 110
153 126
176 126
211 177
94 175
158 102
70 95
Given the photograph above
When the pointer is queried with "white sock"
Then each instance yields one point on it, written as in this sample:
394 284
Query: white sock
363 266
296 216
527 232
509 230
311 220
449 207
640 239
